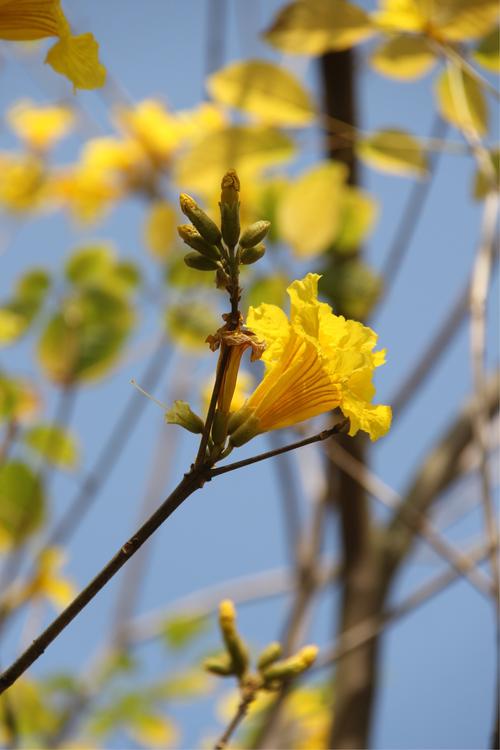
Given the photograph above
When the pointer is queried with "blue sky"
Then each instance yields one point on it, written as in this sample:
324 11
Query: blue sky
437 664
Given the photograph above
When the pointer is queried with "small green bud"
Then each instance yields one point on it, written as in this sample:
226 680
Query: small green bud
230 188
235 646
219 665
191 237
181 414
219 427
237 418
270 654
252 254
254 234
245 432
230 223
203 223
200 262
291 667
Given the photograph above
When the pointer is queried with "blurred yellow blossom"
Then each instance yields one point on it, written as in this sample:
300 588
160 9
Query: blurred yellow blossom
315 362
23 182
47 583
159 231
153 126
75 57
40 126
86 191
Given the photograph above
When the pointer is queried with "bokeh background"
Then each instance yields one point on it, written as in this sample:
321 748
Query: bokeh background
438 663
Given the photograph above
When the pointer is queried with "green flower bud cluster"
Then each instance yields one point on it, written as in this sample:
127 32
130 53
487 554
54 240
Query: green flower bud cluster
221 250
271 670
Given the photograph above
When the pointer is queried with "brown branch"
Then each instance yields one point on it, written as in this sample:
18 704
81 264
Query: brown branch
247 698
191 481
324 435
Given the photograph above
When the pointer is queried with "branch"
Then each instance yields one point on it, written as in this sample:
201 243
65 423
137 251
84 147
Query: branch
191 481
436 472
324 435
241 712
415 520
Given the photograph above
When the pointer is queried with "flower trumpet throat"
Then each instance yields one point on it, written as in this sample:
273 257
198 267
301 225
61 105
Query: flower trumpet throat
314 362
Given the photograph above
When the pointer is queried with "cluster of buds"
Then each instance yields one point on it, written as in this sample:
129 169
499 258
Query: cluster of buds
271 670
221 249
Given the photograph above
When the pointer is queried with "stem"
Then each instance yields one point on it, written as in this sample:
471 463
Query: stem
240 714
324 435
189 484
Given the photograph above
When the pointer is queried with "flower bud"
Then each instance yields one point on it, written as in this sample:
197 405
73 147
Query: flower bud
219 427
203 223
252 254
230 208
254 234
181 414
191 237
200 262
219 665
245 432
270 654
291 667
235 646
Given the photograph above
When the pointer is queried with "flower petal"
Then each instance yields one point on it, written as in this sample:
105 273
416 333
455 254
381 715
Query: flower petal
76 57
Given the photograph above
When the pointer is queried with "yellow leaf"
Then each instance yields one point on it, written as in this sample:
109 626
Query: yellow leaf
264 90
487 53
312 27
76 57
12 324
403 57
393 151
308 215
358 215
159 231
458 20
452 20
246 148
153 731
483 177
461 101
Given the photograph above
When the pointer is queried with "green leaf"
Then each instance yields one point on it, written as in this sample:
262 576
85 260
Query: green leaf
246 148
181 630
487 53
160 229
22 503
33 286
353 288
309 214
270 289
482 178
56 445
84 340
393 151
264 90
358 214
190 324
313 27
461 101
184 686
403 57
18 398
89 264
12 325
178 274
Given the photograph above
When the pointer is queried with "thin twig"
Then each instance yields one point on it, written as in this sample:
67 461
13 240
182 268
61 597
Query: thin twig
191 481
324 435
371 627
478 295
123 429
241 712
416 520
412 212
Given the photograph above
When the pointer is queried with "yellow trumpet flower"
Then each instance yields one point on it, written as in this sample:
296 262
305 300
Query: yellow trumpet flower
75 57
316 361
